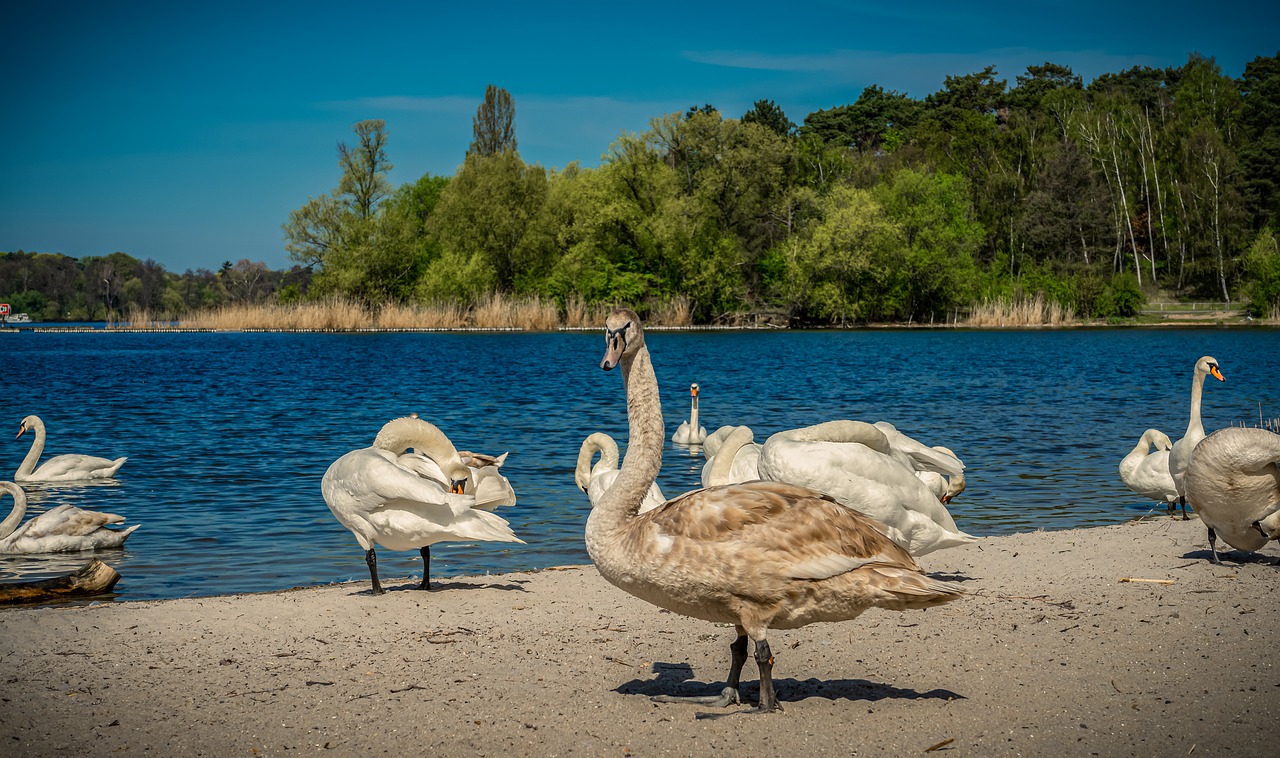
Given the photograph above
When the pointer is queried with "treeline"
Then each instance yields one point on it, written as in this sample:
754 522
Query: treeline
56 287
1142 183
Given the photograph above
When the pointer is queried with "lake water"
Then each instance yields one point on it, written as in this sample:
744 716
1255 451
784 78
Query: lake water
229 434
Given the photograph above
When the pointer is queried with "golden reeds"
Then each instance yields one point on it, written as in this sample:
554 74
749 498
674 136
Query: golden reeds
497 311
1035 311
673 311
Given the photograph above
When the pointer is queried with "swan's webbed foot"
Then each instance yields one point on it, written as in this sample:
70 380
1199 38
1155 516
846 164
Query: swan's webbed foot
727 697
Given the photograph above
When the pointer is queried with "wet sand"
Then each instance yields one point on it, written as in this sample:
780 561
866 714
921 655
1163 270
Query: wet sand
1053 654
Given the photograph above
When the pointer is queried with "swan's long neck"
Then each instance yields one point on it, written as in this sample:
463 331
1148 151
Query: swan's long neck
693 415
722 462
840 431
37 447
19 508
644 448
1194 425
401 434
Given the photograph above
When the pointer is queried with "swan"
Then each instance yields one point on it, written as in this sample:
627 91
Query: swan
484 481
63 529
944 486
60 468
383 503
1233 484
1180 455
853 462
735 459
758 555
689 433
1146 472
596 480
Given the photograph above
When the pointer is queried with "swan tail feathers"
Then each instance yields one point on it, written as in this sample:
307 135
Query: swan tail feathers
904 589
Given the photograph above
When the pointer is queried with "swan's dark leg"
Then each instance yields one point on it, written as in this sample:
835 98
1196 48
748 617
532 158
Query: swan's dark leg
730 694
1213 547
1183 502
764 660
371 558
426 567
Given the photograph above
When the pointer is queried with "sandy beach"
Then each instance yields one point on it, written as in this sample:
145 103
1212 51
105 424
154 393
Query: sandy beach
1053 654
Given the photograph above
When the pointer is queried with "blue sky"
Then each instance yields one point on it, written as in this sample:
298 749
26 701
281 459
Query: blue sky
187 132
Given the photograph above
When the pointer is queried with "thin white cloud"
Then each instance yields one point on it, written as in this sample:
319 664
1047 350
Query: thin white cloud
405 103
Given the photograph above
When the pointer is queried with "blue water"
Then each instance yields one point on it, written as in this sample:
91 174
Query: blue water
228 434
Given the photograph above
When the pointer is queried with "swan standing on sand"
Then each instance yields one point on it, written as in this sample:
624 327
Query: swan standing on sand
596 480
60 468
64 529
760 555
1146 472
1180 455
1233 484
383 503
689 433
853 462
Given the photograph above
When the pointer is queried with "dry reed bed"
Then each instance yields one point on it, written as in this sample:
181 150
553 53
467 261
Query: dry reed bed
497 311
1035 311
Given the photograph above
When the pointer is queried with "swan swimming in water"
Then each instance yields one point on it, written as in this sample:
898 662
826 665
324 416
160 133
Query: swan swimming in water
1180 455
1233 484
1146 471
63 529
70 467
689 432
758 555
383 503
596 480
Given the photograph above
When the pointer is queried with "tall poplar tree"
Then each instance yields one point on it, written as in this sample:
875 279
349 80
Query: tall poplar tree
494 127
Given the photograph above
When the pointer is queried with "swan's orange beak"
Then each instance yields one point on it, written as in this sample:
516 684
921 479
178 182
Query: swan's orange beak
1217 373
22 429
693 390
614 345
458 486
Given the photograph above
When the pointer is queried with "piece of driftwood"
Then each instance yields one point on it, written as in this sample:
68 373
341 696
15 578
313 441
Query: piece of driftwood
94 579
1148 581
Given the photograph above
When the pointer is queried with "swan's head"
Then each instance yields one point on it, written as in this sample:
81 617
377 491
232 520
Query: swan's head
693 389
30 422
459 476
623 336
1209 365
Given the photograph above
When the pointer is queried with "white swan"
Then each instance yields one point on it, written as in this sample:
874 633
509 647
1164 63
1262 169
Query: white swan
853 462
60 468
944 486
1180 455
759 555
736 457
1233 484
689 433
63 529
596 480
1146 472
383 503
484 481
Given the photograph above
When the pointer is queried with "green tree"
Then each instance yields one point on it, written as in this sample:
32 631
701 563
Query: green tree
364 169
769 114
494 127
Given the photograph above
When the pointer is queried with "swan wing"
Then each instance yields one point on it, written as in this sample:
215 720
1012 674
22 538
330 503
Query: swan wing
76 466
805 534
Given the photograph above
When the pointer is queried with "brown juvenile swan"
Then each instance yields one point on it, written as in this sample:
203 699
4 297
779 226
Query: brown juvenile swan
758 555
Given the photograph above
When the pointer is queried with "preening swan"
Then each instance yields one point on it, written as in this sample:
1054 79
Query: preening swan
63 529
383 503
60 468
689 432
484 480
759 555
854 462
1146 472
1233 484
1180 455
596 480
945 486
736 457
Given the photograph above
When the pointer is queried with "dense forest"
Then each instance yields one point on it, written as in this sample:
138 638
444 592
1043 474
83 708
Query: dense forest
1144 183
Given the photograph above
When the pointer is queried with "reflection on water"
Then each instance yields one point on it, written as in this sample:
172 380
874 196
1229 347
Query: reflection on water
228 434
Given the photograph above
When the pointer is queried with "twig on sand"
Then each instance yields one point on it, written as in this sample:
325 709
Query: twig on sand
1148 581
940 745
